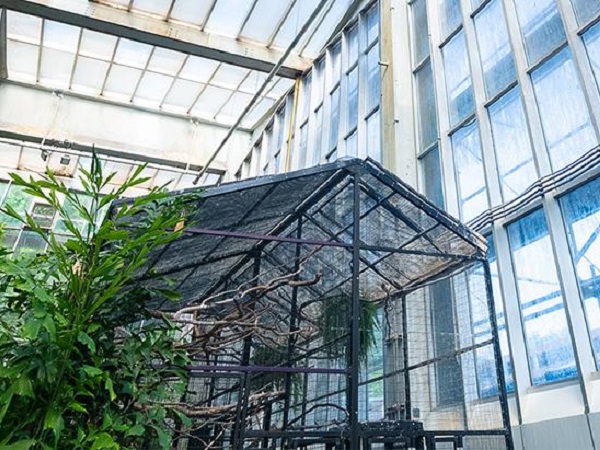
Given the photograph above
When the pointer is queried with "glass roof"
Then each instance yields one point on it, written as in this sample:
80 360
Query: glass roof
69 58
64 163
273 23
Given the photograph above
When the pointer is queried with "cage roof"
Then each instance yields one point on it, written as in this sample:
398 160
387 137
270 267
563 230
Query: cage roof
404 240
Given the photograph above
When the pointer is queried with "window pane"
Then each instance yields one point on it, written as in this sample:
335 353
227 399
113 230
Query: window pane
512 144
564 113
318 133
303 145
373 80
427 114
549 347
29 243
432 177
374 137
372 23
352 46
352 78
336 63
585 10
592 44
449 12
20 201
458 79
334 118
581 209
351 145
420 31
468 165
500 316
541 27
306 84
494 46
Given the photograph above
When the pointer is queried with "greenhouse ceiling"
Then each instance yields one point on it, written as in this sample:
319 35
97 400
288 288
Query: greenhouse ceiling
195 58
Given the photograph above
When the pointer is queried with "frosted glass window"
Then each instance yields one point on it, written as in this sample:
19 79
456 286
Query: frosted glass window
56 67
227 17
352 145
352 119
319 74
432 177
458 79
549 347
496 54
97 45
89 75
512 144
182 94
541 27
157 7
470 177
334 118
374 137
302 145
565 118
591 38
198 69
132 54
265 12
585 10
24 27
318 136
229 77
450 15
166 61
581 210
373 79
61 36
306 86
152 89
22 61
121 82
190 11
426 108
372 24
420 30
336 63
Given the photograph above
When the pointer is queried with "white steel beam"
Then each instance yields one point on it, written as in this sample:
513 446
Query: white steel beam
148 30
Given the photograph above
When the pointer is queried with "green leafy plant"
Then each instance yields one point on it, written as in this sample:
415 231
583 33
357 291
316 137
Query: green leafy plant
83 364
334 325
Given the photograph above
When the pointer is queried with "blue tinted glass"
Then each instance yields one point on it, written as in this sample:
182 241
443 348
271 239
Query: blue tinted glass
549 347
581 210
541 27
318 136
432 177
585 10
427 114
420 30
592 44
565 118
352 99
496 53
334 118
512 144
458 79
373 79
449 13
374 137
468 165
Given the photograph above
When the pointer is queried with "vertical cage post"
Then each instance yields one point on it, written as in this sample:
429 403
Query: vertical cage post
497 353
407 402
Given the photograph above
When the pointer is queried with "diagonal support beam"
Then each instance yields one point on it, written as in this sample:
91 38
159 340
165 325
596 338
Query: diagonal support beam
148 30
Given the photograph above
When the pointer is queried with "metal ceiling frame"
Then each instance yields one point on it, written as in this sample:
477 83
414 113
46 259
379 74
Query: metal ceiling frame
151 31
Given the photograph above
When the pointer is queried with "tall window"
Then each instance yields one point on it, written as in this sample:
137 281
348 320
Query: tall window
334 98
541 26
565 117
468 165
426 108
352 111
420 31
496 53
512 144
432 177
458 79
591 38
581 210
373 87
549 347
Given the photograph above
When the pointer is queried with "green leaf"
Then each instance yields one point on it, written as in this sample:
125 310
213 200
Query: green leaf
104 441
108 384
164 438
21 445
78 407
136 430
86 340
54 421
31 328
92 371
24 387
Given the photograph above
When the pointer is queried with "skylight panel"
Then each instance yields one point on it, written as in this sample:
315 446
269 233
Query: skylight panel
121 170
22 61
234 107
61 36
121 82
89 75
156 7
227 17
210 101
257 112
229 76
132 54
152 89
253 82
326 28
163 177
191 11
24 27
297 17
263 20
198 69
166 61
56 68
182 95
279 87
97 45
186 181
